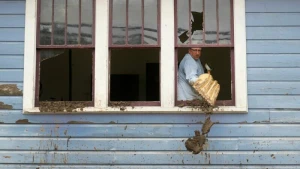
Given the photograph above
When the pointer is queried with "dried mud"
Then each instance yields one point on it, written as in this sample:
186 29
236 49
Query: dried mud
200 105
119 104
23 121
10 90
62 106
5 106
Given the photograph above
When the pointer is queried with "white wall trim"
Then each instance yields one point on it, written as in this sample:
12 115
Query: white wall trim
240 56
29 54
101 54
167 54
167 62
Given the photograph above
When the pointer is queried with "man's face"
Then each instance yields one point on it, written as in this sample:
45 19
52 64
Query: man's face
195 53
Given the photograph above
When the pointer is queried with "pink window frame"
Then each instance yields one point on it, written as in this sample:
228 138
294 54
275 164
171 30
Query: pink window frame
64 46
135 46
231 46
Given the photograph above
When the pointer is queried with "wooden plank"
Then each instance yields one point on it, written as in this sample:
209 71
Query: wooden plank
253 116
12 21
150 158
273 74
148 130
12 61
272 6
274 101
12 7
238 166
285 116
273 46
272 19
273 60
148 144
14 101
11 48
275 33
273 88
11 75
11 34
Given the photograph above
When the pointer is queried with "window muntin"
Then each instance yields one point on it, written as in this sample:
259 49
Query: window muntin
208 24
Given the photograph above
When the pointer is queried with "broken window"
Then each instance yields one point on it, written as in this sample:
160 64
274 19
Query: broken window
65 47
134 52
208 24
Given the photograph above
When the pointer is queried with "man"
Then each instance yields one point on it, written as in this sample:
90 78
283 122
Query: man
189 70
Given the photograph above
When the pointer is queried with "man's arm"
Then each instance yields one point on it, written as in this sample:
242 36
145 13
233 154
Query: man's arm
190 70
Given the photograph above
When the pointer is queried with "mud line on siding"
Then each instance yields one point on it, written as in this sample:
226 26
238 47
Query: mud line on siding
5 106
22 121
10 90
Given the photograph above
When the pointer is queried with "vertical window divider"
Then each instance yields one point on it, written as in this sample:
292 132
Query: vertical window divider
190 29
79 26
203 24
52 32
217 18
66 21
143 20
127 15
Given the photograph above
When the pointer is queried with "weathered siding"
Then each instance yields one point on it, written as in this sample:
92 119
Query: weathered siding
266 137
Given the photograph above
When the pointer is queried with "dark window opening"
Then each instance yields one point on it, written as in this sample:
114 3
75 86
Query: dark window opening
66 75
219 59
134 75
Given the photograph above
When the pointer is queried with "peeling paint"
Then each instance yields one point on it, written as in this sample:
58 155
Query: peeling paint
22 121
80 122
10 90
5 106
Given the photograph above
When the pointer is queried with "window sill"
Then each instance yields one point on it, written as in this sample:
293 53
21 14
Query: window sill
141 110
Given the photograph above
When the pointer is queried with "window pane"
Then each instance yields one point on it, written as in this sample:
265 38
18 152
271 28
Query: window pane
86 22
135 22
134 75
73 22
197 21
119 22
66 75
224 22
59 22
210 18
46 22
182 21
150 22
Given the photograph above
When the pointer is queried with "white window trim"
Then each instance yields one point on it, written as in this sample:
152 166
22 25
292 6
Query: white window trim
167 58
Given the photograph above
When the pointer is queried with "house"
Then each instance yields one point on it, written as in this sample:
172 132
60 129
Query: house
66 100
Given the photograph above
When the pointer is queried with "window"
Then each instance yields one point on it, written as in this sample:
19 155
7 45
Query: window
125 51
134 53
208 24
65 47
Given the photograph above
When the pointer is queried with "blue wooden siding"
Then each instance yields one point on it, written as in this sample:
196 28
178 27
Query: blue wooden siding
266 137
